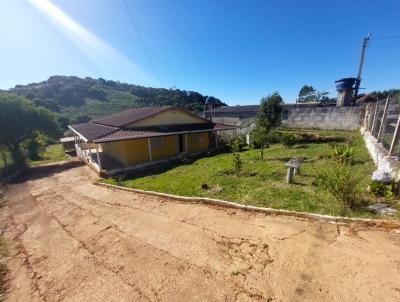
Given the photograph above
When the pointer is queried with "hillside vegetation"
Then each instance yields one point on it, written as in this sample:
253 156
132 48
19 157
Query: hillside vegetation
75 99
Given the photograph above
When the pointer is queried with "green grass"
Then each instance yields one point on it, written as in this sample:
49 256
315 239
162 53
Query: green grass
52 153
262 183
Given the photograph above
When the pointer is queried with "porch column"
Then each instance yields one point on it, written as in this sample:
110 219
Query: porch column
186 143
216 139
98 157
149 144
90 154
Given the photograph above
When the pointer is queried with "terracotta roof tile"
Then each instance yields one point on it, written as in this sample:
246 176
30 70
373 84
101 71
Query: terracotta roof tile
91 131
129 116
161 131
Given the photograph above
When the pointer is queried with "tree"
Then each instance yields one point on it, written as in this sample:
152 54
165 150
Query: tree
308 94
260 139
235 148
268 118
20 120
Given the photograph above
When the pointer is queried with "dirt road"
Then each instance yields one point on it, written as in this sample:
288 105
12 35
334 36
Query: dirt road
74 241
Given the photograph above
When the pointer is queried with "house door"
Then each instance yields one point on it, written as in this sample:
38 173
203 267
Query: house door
180 143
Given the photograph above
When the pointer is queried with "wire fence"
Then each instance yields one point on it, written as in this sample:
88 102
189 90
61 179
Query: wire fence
382 120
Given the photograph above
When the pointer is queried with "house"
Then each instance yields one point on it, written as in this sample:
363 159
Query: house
240 112
141 137
68 144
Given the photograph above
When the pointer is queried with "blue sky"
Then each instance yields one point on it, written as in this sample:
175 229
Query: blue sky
237 51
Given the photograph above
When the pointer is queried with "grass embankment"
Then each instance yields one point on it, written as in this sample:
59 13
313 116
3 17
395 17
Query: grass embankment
262 183
52 153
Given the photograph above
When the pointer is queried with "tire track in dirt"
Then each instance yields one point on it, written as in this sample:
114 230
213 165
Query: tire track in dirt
97 246
35 260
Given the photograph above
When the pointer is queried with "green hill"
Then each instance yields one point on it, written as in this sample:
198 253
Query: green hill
76 99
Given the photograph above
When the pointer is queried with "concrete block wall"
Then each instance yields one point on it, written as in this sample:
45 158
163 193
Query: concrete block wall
346 118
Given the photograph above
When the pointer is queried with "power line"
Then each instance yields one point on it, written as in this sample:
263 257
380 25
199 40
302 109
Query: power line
386 37
140 39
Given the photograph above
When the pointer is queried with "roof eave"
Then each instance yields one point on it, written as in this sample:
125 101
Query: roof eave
79 134
105 140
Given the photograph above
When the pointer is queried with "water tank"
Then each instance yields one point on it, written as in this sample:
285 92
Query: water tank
345 89
345 83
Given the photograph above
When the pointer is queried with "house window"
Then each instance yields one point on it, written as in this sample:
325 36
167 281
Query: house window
157 142
285 114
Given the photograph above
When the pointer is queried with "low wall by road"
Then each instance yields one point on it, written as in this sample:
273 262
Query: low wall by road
346 118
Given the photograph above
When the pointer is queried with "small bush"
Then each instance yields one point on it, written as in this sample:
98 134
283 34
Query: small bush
242 142
342 184
275 137
307 138
343 154
381 189
288 140
119 179
258 138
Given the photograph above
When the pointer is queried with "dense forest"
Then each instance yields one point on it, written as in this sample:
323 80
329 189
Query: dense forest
75 99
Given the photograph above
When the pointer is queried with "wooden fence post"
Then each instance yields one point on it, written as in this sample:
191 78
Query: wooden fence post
383 121
366 115
395 138
375 116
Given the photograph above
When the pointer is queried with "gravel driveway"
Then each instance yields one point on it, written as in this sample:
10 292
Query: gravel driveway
71 240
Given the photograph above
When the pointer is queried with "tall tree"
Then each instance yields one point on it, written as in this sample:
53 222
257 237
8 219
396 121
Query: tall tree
269 114
309 94
20 120
268 118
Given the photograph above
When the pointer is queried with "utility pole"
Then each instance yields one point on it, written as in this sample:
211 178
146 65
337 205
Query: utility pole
360 67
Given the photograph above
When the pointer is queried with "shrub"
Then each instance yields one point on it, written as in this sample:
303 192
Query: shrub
235 148
343 154
381 189
242 142
258 138
275 137
342 184
119 179
307 137
288 140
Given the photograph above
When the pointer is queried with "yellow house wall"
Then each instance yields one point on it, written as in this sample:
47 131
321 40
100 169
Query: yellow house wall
129 152
169 117
116 150
170 148
197 146
137 151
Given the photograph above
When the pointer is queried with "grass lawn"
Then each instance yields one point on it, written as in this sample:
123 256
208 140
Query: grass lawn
52 153
262 183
